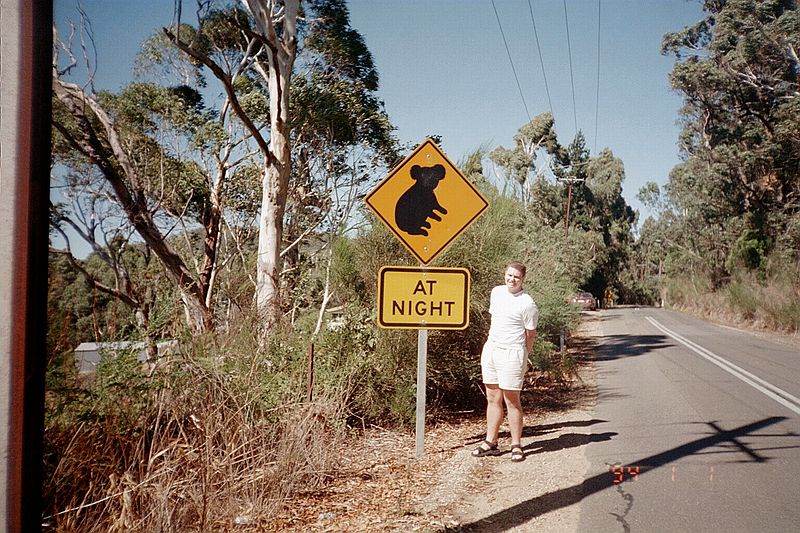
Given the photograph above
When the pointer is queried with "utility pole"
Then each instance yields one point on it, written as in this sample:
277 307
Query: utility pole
26 53
570 182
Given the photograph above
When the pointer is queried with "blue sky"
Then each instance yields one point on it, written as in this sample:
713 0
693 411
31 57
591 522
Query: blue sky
444 69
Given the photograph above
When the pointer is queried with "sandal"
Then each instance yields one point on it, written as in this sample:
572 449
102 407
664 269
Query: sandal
517 454
485 448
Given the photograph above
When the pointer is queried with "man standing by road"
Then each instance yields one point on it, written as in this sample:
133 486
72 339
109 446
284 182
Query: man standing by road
504 359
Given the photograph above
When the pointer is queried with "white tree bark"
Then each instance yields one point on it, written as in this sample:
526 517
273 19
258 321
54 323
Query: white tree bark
281 52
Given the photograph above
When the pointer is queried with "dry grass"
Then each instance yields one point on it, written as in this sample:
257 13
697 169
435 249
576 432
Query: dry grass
203 453
217 444
760 301
382 486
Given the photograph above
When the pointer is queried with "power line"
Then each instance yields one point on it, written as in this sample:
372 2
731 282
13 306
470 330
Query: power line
508 52
597 94
571 76
541 61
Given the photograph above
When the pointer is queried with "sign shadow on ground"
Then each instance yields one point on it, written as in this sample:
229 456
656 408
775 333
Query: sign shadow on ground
523 512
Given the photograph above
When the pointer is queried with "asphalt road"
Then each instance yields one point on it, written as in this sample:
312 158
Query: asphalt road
700 426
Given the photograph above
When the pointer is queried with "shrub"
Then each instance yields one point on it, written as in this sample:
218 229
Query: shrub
748 252
210 438
743 297
374 369
765 298
503 233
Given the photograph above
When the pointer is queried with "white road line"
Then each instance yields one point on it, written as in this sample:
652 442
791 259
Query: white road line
777 394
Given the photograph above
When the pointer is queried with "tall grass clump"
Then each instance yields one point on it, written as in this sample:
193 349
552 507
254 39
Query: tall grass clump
217 435
770 297
372 370
767 297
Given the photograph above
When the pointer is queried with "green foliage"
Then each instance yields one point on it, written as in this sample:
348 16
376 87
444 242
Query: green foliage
158 58
243 191
346 278
729 209
742 298
600 222
253 99
487 245
771 301
453 373
555 317
766 299
532 142
376 369
154 120
502 233
748 252
740 82
342 47
545 359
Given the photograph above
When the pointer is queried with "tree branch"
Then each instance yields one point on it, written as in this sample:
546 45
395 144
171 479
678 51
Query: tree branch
229 91
132 201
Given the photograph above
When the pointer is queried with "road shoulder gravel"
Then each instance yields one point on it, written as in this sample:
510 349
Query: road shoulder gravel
478 494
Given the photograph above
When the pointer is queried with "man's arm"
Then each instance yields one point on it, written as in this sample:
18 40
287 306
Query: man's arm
530 337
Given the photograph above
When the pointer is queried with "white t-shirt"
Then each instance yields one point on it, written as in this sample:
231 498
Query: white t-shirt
511 314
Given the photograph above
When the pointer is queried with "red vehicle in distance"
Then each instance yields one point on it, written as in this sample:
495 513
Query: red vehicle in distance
585 300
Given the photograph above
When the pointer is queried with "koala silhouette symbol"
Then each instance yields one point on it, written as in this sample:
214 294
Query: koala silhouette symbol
419 203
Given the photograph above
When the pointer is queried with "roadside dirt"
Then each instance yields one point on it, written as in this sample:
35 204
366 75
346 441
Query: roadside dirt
383 486
557 425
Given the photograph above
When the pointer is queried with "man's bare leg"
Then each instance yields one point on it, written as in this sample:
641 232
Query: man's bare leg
515 414
494 412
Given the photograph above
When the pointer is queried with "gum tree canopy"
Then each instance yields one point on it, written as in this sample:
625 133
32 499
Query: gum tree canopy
738 74
257 48
297 95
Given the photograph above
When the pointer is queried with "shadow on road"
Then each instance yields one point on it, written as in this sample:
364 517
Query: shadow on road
567 440
525 511
613 347
541 429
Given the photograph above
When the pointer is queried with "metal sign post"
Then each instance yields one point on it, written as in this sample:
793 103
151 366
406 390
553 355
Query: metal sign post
426 202
423 298
422 364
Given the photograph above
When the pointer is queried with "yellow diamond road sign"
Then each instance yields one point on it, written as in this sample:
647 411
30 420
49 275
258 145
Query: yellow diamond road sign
423 298
426 201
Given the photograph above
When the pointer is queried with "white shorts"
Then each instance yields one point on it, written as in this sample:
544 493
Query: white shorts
504 366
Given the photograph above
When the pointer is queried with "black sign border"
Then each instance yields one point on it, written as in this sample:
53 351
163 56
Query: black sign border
464 324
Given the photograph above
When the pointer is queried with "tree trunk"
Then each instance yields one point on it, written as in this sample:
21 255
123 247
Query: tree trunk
277 162
198 317
270 16
125 181
270 236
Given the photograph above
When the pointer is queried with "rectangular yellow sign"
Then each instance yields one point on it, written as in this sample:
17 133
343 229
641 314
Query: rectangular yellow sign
423 298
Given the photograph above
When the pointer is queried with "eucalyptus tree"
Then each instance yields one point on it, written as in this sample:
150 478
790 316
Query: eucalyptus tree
340 136
229 166
738 73
603 210
658 234
126 176
255 51
600 220
535 144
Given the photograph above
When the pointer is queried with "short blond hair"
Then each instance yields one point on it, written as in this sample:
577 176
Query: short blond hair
516 265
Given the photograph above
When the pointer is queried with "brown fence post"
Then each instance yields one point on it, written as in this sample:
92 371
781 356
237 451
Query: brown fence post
310 381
